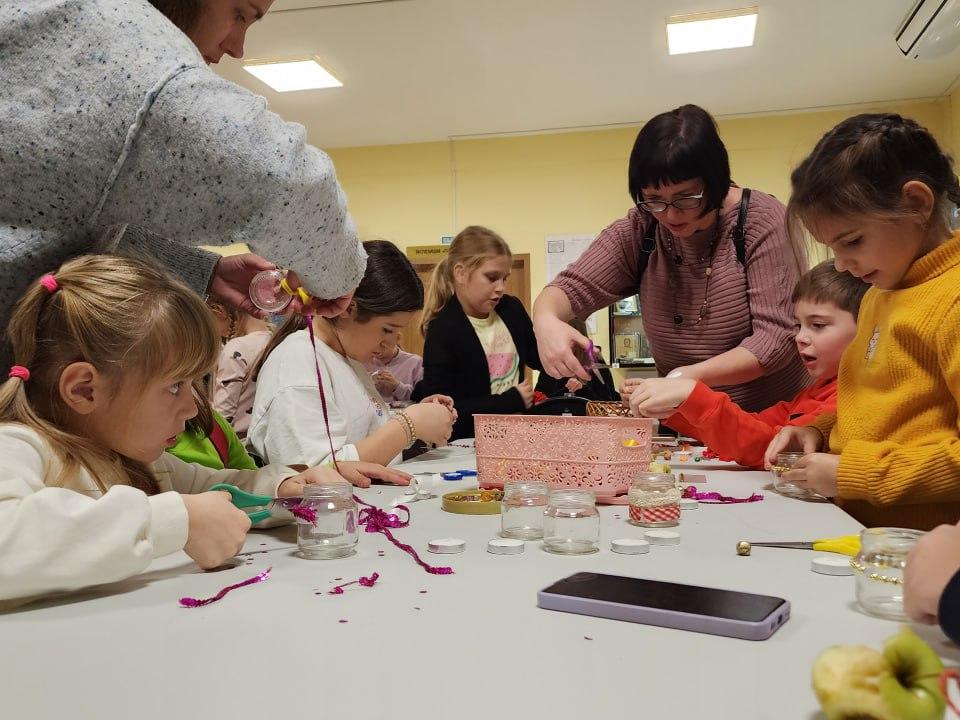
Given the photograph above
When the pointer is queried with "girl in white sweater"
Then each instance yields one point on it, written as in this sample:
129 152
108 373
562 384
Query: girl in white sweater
288 423
106 351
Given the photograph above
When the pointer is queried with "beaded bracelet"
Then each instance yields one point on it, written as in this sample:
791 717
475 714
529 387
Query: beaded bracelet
408 426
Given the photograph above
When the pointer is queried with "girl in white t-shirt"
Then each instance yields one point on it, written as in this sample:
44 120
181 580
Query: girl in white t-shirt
106 351
288 424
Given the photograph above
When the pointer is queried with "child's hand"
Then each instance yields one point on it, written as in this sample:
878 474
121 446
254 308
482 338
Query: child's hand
361 473
526 393
444 400
293 486
627 388
793 439
432 421
385 382
817 472
930 565
573 384
660 397
216 529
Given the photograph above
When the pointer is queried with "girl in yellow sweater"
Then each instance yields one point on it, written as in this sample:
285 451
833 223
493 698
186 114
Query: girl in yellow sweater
879 192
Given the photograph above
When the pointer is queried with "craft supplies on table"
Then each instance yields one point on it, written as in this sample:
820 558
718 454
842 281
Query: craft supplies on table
654 500
522 509
473 502
429 624
571 523
334 532
785 462
844 545
879 569
447 545
573 452
831 565
630 546
271 291
662 537
458 474
242 499
505 546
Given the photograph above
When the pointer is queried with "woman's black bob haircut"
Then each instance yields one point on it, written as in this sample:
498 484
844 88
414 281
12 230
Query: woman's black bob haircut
680 145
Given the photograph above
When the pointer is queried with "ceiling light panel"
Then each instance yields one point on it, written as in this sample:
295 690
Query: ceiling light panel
291 75
702 32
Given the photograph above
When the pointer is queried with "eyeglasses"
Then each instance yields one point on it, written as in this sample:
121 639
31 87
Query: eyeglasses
687 202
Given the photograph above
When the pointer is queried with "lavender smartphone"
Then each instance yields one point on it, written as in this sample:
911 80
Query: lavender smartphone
652 602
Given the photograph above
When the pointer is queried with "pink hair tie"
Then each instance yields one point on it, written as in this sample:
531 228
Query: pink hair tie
19 371
49 283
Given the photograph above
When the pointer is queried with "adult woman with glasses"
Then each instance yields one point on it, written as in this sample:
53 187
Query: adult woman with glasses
711 261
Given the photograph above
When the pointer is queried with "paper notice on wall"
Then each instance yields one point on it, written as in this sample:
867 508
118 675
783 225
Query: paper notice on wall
563 250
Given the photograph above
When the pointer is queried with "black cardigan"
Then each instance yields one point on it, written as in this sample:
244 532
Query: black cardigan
455 364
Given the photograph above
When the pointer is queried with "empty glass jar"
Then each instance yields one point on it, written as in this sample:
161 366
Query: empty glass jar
571 523
335 532
654 500
879 570
522 510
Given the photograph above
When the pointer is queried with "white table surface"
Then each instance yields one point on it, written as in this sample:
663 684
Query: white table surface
468 645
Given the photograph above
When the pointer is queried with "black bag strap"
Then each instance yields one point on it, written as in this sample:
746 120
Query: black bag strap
739 244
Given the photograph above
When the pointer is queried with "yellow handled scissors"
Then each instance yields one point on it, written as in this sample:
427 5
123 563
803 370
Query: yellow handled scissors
844 545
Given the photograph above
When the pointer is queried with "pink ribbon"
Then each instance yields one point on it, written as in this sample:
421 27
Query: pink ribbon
190 602
376 520
304 512
364 581
691 492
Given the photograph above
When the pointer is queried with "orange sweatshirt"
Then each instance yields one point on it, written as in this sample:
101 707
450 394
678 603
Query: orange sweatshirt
738 435
898 400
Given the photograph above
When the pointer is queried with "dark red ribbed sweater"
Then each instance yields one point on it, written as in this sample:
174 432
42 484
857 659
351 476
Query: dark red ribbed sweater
749 306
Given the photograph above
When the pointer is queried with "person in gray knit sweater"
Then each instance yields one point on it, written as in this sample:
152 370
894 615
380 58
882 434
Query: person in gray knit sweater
111 117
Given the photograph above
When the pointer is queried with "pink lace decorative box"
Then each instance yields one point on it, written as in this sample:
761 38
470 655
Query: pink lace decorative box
562 451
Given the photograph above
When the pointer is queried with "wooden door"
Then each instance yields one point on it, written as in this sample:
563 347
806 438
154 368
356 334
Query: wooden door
518 285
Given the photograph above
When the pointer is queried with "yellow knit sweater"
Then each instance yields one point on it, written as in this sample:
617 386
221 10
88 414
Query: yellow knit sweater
898 394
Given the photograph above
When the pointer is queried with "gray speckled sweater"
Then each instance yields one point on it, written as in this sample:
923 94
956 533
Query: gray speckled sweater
108 115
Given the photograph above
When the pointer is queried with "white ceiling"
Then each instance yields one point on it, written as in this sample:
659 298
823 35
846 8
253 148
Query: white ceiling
418 70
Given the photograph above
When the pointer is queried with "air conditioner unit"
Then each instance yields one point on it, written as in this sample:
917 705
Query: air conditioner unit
930 30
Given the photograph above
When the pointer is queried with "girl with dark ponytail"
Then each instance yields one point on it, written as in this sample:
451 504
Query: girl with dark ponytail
289 424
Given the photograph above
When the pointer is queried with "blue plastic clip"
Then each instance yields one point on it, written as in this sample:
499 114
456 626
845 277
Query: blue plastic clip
458 474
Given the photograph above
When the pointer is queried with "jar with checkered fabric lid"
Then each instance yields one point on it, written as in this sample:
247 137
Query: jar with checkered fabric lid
654 500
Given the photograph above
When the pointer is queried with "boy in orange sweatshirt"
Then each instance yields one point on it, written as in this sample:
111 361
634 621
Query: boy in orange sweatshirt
826 303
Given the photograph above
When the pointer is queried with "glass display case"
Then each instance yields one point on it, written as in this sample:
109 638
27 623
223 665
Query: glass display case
630 347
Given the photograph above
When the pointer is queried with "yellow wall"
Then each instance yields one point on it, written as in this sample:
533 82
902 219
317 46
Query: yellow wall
953 110
526 187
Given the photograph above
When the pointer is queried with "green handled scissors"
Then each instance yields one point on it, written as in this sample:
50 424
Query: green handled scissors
242 499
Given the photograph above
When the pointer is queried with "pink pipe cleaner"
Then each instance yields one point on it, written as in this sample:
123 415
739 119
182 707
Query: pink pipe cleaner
190 602
715 497
323 397
304 512
364 581
376 520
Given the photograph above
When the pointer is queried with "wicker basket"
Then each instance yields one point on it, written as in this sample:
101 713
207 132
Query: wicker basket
607 408
563 451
